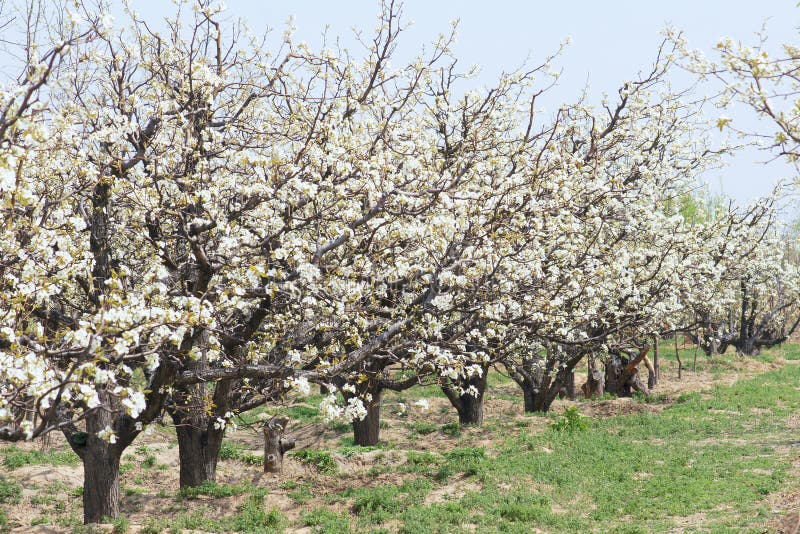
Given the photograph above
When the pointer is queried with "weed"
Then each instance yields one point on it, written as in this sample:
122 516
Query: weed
422 427
212 489
326 521
14 457
570 421
321 460
451 429
10 491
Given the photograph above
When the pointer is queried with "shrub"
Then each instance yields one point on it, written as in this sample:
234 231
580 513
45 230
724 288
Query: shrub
570 421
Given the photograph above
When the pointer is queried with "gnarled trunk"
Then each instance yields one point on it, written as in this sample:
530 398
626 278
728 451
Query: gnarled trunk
466 396
539 391
595 385
199 444
622 375
366 432
275 445
199 432
470 409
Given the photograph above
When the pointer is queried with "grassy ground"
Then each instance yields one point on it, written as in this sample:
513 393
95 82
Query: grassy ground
716 451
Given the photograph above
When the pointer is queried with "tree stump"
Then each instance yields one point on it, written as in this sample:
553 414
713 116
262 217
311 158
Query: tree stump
567 391
595 384
622 375
275 446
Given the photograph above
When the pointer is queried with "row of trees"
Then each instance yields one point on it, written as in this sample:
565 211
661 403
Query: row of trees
197 224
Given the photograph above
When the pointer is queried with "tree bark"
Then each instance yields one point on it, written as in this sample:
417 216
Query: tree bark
366 432
652 381
470 411
595 385
100 470
622 376
468 406
198 450
100 481
275 445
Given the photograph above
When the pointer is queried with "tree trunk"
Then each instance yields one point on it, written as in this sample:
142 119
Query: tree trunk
529 394
471 410
275 445
100 469
595 385
652 381
198 450
366 432
468 406
622 377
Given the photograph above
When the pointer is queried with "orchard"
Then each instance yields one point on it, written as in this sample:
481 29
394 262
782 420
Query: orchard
197 227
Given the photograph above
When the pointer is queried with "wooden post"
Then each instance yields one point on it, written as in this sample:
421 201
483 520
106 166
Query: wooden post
275 446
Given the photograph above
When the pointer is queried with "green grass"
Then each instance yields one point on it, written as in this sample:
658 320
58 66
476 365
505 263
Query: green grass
250 517
716 457
321 460
10 491
14 457
212 489
234 451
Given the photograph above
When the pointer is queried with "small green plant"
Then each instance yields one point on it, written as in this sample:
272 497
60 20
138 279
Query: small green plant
252 517
120 525
232 451
10 491
301 494
339 426
14 458
423 428
570 421
321 460
451 429
326 521
149 462
229 451
212 489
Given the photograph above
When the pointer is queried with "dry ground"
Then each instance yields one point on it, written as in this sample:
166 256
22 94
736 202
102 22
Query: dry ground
51 500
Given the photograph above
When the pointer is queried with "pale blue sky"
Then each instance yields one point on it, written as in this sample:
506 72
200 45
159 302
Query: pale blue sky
611 41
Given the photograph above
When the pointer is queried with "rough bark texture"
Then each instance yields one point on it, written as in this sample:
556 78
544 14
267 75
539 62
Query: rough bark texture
567 389
622 376
653 378
468 406
366 432
100 482
470 410
199 439
543 379
198 450
595 385
100 471
275 445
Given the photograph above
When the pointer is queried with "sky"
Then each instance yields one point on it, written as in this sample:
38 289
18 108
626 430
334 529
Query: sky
611 41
